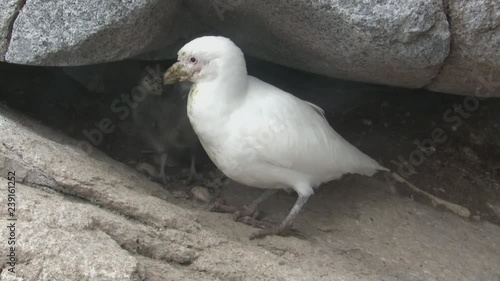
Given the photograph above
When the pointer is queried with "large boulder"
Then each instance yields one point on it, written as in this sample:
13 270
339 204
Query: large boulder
8 13
398 43
473 66
58 32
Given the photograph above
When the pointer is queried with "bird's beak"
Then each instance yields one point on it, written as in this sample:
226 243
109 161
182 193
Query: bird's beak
176 73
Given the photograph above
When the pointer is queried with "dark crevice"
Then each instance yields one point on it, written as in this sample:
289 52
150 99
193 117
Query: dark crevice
19 7
446 10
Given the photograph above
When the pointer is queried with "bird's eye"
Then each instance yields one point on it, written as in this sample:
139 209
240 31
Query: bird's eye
193 59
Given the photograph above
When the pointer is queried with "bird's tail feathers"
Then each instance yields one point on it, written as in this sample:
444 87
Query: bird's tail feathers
372 169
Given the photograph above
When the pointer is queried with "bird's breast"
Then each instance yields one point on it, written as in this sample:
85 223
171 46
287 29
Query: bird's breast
191 100
204 117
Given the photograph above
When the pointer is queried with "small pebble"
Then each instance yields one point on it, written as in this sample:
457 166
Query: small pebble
147 169
200 193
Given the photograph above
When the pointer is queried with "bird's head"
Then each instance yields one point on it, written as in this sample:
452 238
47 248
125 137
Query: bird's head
205 59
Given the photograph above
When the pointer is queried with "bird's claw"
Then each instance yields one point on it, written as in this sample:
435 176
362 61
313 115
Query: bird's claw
163 177
192 178
246 212
219 205
269 230
263 224
189 180
166 181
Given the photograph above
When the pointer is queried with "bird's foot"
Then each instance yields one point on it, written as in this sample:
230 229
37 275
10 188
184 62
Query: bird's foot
165 180
268 228
192 178
246 212
219 205
163 176
263 224
273 230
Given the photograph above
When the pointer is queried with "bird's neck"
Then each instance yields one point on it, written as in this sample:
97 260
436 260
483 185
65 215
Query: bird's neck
233 75
235 85
229 88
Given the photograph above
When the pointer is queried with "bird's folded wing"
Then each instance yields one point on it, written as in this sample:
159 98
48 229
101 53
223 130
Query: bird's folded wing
291 133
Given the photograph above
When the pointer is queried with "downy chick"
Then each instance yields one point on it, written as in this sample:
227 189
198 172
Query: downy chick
162 121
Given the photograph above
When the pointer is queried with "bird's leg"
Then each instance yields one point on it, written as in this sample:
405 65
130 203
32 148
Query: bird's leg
163 159
287 222
251 209
192 171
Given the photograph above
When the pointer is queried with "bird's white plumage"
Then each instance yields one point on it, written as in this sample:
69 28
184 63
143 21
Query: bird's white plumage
259 135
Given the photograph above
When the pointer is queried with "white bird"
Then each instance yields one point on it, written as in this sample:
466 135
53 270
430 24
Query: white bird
257 134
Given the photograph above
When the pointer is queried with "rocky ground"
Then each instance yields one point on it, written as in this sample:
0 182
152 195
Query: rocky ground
89 217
